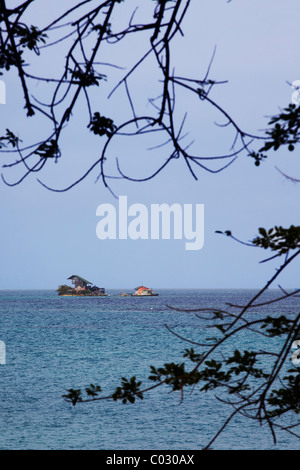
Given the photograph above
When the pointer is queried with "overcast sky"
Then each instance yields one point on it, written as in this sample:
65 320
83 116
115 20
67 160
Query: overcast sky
47 236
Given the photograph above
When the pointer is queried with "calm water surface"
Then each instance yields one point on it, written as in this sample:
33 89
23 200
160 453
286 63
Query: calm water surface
55 343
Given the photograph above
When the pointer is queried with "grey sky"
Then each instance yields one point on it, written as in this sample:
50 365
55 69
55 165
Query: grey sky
48 236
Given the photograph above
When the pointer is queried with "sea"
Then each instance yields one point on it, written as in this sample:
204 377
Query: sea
53 343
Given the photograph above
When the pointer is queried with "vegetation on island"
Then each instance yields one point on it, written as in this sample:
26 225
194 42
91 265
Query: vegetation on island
64 290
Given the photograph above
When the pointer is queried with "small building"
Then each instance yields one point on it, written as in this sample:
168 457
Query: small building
97 290
142 290
78 281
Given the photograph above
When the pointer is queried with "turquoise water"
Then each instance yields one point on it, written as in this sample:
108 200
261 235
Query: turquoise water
55 343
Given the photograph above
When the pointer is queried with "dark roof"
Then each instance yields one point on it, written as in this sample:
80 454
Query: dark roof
74 276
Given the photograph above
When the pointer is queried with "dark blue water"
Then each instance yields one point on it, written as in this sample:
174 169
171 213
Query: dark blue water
55 343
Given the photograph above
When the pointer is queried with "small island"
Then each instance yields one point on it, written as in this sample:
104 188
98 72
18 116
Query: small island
81 288
143 291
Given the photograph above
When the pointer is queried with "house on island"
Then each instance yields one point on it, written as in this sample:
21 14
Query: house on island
78 281
81 287
142 290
